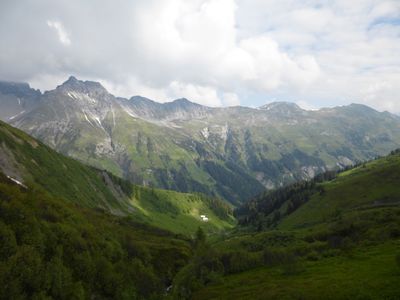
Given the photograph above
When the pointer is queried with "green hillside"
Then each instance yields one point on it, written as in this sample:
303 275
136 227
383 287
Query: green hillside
34 164
50 249
29 161
335 239
370 273
313 204
372 186
181 212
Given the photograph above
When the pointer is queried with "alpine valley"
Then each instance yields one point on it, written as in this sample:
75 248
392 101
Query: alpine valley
233 153
200 150
110 198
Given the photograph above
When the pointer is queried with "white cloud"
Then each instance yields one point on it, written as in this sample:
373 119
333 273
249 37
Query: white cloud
201 94
327 53
230 99
48 81
389 9
131 86
61 33
273 68
196 44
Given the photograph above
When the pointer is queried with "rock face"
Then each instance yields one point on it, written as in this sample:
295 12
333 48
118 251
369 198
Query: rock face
232 152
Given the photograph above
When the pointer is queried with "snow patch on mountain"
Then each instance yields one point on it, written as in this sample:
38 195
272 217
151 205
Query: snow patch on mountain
81 96
87 119
205 132
18 114
129 112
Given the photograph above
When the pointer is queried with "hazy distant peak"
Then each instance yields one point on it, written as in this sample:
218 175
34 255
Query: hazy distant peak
281 106
357 108
14 84
361 106
140 99
183 102
20 89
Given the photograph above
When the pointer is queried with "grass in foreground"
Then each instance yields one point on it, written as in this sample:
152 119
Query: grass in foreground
369 273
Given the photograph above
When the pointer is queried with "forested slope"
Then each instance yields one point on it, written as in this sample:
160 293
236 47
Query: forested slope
50 249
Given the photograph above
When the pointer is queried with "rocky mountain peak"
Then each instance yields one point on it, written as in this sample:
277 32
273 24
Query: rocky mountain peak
71 80
91 88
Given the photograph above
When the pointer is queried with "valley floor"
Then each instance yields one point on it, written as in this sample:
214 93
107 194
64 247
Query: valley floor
365 273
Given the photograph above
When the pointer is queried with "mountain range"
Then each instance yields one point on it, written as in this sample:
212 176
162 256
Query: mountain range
229 152
69 230
32 165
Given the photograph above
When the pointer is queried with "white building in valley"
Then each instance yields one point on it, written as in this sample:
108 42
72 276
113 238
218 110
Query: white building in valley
204 218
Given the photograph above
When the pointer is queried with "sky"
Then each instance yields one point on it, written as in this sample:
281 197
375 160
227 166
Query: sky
213 52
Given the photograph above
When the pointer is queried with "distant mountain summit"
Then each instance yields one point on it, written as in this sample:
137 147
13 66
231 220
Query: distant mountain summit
281 107
72 81
232 152
16 99
284 110
179 109
88 87
19 89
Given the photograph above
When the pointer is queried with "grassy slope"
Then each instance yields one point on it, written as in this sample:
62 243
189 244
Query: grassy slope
368 274
373 185
178 212
61 176
34 163
361 206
